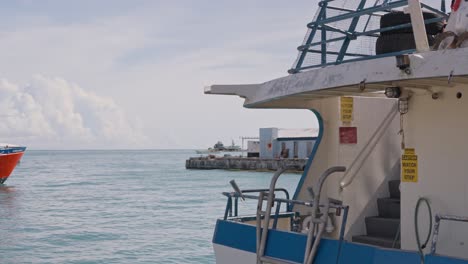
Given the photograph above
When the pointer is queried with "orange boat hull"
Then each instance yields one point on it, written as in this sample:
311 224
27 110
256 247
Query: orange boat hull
8 163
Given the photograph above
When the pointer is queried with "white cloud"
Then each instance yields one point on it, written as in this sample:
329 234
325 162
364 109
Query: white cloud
153 61
52 113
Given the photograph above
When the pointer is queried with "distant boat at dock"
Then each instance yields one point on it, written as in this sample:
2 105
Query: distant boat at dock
219 147
207 151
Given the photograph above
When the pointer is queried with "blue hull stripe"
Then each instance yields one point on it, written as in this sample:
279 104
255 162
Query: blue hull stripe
10 150
290 246
283 245
431 259
312 155
365 254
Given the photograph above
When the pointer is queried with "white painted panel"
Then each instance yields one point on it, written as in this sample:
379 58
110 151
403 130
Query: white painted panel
372 173
437 129
253 146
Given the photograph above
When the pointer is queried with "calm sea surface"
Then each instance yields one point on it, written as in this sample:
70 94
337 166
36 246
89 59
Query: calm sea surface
116 207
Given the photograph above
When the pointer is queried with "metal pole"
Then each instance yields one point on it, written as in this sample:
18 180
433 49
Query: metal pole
324 36
266 219
352 28
343 222
228 205
242 149
236 206
419 28
310 244
259 224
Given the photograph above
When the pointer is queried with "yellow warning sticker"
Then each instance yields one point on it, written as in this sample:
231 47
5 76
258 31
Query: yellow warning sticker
409 166
347 109
409 151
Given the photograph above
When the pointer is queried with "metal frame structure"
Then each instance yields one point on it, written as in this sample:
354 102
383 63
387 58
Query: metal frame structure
234 213
232 210
321 25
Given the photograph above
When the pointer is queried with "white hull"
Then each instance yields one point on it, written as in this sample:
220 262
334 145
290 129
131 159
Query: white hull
228 255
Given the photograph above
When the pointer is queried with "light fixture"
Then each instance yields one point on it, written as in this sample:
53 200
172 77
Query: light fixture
393 92
403 105
402 62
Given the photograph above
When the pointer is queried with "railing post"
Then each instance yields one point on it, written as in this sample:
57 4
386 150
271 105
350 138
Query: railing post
275 222
343 222
352 27
236 206
311 36
324 35
419 28
228 206
266 219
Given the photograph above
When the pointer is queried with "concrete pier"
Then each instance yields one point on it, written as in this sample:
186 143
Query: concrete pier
241 163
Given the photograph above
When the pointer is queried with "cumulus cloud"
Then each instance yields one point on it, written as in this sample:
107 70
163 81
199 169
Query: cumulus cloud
54 113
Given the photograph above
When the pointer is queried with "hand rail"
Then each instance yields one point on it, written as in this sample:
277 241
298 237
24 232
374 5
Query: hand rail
261 242
240 194
286 193
292 201
318 223
267 213
236 195
370 145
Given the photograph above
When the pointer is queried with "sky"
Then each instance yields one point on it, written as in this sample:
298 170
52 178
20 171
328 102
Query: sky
130 74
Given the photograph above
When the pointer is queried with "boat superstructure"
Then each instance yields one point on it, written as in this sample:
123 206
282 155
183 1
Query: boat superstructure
220 147
386 180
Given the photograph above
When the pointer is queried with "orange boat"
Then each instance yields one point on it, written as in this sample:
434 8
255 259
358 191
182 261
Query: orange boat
10 155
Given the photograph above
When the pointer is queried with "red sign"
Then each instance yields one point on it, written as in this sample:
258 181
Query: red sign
348 135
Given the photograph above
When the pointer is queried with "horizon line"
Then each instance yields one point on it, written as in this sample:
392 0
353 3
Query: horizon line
117 149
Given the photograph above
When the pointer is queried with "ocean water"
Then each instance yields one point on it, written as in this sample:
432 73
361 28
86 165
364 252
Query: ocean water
116 207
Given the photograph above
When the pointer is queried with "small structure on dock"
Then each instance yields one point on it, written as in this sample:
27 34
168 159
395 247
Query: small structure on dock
287 143
253 149
276 147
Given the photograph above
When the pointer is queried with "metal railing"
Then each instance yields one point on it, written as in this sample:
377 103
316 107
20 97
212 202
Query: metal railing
365 152
262 218
322 26
233 212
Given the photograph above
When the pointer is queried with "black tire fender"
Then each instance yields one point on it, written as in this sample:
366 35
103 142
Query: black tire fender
398 18
397 42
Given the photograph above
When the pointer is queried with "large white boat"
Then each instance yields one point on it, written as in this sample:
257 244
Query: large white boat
220 147
387 178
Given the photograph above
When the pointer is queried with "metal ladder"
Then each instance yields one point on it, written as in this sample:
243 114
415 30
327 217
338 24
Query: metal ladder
318 222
